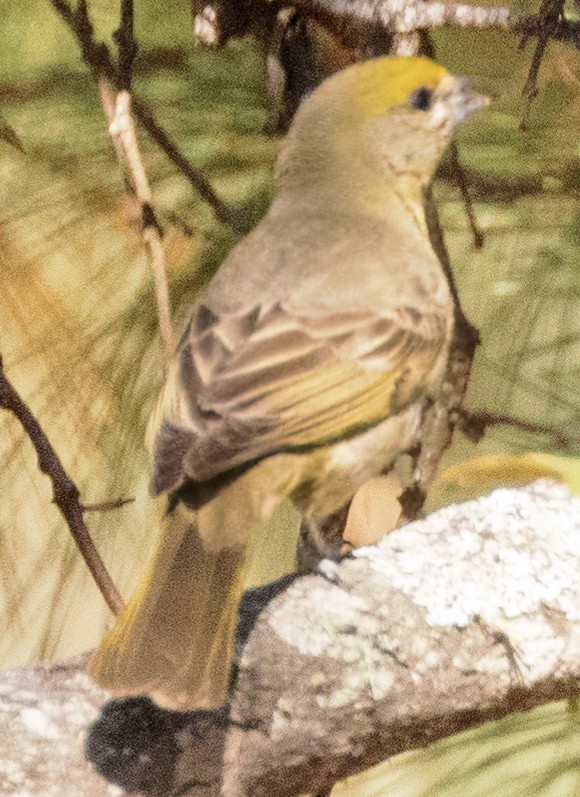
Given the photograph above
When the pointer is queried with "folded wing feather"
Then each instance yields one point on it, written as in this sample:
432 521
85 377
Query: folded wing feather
248 386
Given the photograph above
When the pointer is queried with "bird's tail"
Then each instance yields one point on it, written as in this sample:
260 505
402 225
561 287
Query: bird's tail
174 639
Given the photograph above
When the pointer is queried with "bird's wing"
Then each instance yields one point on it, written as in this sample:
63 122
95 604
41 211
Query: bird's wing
248 386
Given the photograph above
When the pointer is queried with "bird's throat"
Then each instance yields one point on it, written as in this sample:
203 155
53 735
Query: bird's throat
400 199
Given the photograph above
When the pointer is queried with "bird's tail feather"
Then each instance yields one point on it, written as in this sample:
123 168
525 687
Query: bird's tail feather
174 639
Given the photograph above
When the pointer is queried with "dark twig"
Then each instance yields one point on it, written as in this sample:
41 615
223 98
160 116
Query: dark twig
566 31
441 418
475 424
125 38
459 172
549 18
107 506
64 490
98 58
221 211
9 135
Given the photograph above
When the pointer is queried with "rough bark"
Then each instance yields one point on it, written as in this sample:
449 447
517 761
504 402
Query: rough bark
462 617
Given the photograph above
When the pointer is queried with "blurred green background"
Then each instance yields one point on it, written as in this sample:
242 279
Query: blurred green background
79 334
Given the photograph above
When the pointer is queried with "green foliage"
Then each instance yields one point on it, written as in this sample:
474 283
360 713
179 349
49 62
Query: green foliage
526 754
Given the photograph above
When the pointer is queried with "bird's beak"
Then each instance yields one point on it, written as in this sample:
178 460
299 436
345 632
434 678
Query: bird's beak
455 101
467 100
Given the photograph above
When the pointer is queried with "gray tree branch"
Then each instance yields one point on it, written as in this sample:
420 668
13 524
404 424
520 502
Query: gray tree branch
215 21
465 616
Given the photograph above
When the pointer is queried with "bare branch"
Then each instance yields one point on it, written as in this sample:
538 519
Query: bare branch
221 211
352 20
98 57
347 19
417 15
425 625
64 490
440 419
123 133
464 617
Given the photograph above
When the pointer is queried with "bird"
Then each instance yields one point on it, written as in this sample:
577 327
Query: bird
303 371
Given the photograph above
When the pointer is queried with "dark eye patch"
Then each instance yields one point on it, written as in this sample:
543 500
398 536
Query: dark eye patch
421 99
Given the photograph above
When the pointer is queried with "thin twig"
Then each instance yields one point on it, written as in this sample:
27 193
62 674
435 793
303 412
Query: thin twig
125 39
221 211
98 58
566 31
64 490
440 420
107 506
459 172
123 133
108 103
551 12
475 424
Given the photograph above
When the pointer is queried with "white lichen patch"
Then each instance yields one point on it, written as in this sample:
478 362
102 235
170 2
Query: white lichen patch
39 723
323 625
504 556
44 715
342 628
370 683
536 649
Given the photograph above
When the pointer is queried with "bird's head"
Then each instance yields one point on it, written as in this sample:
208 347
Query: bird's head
381 118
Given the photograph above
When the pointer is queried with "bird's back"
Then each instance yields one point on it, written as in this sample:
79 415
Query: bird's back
313 262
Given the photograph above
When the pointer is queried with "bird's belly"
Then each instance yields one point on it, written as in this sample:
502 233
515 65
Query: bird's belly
353 462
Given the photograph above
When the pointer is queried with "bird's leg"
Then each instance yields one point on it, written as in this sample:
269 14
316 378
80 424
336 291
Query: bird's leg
321 538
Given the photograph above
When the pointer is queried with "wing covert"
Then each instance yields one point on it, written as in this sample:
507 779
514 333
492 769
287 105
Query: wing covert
248 386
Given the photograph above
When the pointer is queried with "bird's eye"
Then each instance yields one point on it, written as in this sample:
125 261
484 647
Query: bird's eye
421 99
